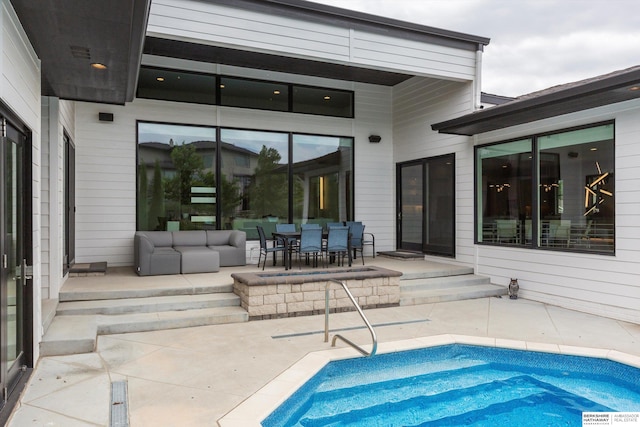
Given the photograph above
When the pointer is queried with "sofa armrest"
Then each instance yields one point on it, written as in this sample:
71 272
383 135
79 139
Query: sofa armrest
238 239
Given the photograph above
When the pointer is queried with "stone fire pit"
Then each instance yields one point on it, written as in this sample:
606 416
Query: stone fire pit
272 295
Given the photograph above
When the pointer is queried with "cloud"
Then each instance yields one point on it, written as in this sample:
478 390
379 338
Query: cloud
535 44
539 62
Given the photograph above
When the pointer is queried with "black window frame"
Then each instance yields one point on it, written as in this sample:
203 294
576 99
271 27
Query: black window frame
536 220
218 160
217 81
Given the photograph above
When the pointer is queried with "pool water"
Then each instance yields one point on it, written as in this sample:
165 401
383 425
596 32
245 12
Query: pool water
456 385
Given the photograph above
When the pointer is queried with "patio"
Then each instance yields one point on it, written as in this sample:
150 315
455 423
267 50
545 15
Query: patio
194 376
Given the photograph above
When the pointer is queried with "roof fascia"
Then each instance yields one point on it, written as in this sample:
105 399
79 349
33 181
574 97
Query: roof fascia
537 103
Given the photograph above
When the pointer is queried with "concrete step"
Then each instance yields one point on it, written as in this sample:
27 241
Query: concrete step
78 334
442 282
441 270
458 293
147 305
142 292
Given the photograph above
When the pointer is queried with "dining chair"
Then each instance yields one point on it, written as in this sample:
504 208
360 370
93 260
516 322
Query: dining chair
356 228
310 244
334 224
287 228
310 225
265 249
338 243
368 239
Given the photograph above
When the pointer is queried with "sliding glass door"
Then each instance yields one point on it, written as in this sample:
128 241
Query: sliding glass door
426 205
15 277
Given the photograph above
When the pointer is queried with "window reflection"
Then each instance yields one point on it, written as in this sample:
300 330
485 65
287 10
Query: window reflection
180 187
504 193
322 178
576 188
257 187
176 185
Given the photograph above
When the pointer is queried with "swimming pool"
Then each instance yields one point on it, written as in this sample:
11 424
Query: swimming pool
459 384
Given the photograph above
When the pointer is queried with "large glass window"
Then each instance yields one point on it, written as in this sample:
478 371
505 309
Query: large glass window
188 180
176 187
504 198
258 188
570 207
322 178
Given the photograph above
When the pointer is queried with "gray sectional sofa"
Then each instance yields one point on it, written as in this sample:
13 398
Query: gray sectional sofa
188 251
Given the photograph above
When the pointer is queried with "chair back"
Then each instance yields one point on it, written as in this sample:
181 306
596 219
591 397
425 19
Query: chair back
286 228
310 240
334 224
357 232
338 239
311 225
263 238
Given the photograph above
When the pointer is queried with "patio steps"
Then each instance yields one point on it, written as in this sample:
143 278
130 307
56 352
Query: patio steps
452 284
82 316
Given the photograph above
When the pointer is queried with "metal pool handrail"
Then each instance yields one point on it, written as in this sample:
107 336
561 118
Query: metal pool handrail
364 318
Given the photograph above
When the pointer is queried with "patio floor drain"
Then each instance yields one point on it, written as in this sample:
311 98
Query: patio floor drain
119 406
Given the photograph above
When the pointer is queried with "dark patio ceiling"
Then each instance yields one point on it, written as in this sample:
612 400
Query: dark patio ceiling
603 90
269 62
69 35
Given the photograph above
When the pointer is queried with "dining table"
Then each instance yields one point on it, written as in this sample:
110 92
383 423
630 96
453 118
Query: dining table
287 236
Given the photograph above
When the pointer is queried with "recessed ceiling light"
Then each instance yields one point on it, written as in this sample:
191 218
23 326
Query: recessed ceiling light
634 88
221 86
327 98
276 92
593 149
160 79
99 66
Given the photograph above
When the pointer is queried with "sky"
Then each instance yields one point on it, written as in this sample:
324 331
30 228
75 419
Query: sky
535 44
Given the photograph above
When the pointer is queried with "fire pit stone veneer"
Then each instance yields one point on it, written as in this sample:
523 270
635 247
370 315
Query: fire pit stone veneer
273 295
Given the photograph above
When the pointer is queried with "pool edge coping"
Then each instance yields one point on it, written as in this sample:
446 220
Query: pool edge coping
253 410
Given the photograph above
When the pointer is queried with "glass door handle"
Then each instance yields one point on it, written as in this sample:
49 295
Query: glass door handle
26 271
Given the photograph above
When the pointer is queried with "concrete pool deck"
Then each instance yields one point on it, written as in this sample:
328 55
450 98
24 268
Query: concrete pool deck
195 376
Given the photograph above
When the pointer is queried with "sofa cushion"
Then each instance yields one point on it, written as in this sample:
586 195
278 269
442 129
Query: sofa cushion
189 238
198 259
218 237
159 238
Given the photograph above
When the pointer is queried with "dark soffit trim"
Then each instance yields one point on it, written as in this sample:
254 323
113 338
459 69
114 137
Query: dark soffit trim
263 61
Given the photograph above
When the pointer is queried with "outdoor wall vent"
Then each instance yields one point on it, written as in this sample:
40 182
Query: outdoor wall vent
375 138
105 117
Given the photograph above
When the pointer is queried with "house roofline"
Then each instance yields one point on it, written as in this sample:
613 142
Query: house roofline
569 98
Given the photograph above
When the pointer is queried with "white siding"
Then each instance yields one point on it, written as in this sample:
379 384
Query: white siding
106 161
220 25
417 104
20 91
45 199
374 192
598 284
